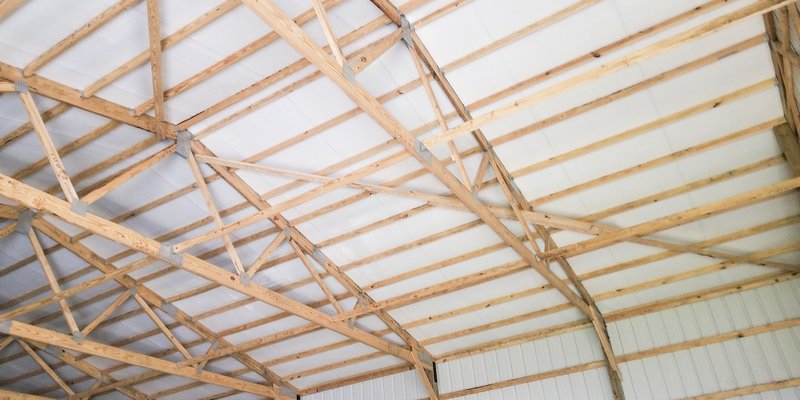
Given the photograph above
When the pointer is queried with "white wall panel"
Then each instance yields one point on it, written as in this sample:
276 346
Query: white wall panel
731 364
403 386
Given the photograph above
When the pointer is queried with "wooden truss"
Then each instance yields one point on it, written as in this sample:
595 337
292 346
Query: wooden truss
33 209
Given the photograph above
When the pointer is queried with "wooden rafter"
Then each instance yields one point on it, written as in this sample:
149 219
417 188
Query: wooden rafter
90 370
53 281
186 320
437 110
299 40
322 16
679 218
126 175
212 209
156 69
331 268
315 274
75 37
48 146
46 368
790 146
262 258
633 58
30 332
509 211
116 304
160 324
71 96
36 199
7 7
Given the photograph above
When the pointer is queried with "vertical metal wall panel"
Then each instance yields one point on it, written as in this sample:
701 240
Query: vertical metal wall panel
402 386
731 364
727 365
517 361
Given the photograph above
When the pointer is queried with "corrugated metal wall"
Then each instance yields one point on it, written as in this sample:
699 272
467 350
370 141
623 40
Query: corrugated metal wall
746 361
403 386
531 358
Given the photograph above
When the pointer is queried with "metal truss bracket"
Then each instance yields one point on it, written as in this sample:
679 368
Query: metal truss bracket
183 143
424 358
77 336
244 278
285 391
24 221
287 232
78 207
169 309
423 151
317 255
21 86
348 73
407 37
53 350
169 253
5 326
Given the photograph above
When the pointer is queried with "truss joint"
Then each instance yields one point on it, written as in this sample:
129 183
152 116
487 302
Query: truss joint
21 86
408 37
167 251
24 221
183 143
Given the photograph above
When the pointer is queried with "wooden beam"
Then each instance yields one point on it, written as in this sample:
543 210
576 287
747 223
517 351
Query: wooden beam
87 368
437 110
160 324
30 332
46 368
633 58
276 209
128 174
322 16
790 146
48 146
7 7
315 274
154 35
62 295
81 33
292 33
104 266
533 217
330 267
35 199
71 96
51 279
106 313
753 389
212 210
679 218
169 41
23 129
262 258
7 87
9 395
